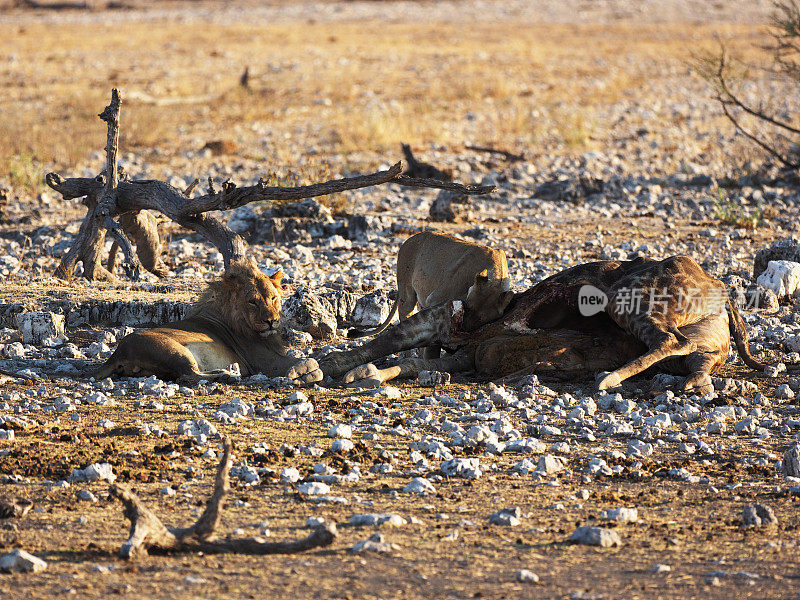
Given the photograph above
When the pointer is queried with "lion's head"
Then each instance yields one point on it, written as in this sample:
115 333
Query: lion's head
248 300
486 300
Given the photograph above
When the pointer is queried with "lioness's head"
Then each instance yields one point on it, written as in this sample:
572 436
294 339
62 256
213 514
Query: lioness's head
486 300
249 300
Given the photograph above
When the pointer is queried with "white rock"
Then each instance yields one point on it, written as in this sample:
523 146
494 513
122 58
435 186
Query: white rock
341 445
314 488
290 475
372 309
419 485
314 522
468 468
784 392
525 466
596 536
507 517
378 519
549 465
302 409
389 392
341 431
526 576
375 543
621 515
237 408
19 561
37 325
782 277
93 472
245 473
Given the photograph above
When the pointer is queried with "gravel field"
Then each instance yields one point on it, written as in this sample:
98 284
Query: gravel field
545 489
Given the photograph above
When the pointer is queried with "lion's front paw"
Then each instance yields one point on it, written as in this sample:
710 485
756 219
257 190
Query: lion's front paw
365 376
306 371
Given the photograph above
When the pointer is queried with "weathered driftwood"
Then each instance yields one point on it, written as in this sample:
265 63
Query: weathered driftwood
107 198
148 533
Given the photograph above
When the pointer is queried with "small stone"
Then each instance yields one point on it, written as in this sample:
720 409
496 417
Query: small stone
433 378
93 472
376 543
596 536
621 515
377 519
549 465
758 515
342 446
790 465
468 468
784 392
340 431
19 561
507 517
659 568
526 576
290 475
314 522
419 485
314 488
86 496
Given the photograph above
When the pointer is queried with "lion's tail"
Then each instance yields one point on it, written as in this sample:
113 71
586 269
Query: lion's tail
359 333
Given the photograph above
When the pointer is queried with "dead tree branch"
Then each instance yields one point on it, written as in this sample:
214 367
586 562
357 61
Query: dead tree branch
778 134
118 207
148 533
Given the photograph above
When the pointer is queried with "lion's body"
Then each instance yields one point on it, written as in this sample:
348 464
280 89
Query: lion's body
433 268
235 321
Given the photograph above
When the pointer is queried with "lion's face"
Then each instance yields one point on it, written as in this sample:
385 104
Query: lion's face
250 301
486 301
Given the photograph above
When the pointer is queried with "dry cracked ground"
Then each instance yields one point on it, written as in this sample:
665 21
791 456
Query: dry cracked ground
475 490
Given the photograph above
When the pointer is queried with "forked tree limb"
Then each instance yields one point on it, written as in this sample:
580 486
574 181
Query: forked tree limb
108 198
716 69
148 533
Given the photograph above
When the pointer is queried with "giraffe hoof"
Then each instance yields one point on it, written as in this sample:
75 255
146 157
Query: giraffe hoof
699 383
606 380
365 376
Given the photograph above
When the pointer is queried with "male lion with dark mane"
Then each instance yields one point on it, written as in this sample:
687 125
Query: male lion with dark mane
236 320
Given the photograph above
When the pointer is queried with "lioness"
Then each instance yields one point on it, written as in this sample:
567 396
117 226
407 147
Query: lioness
433 268
234 321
